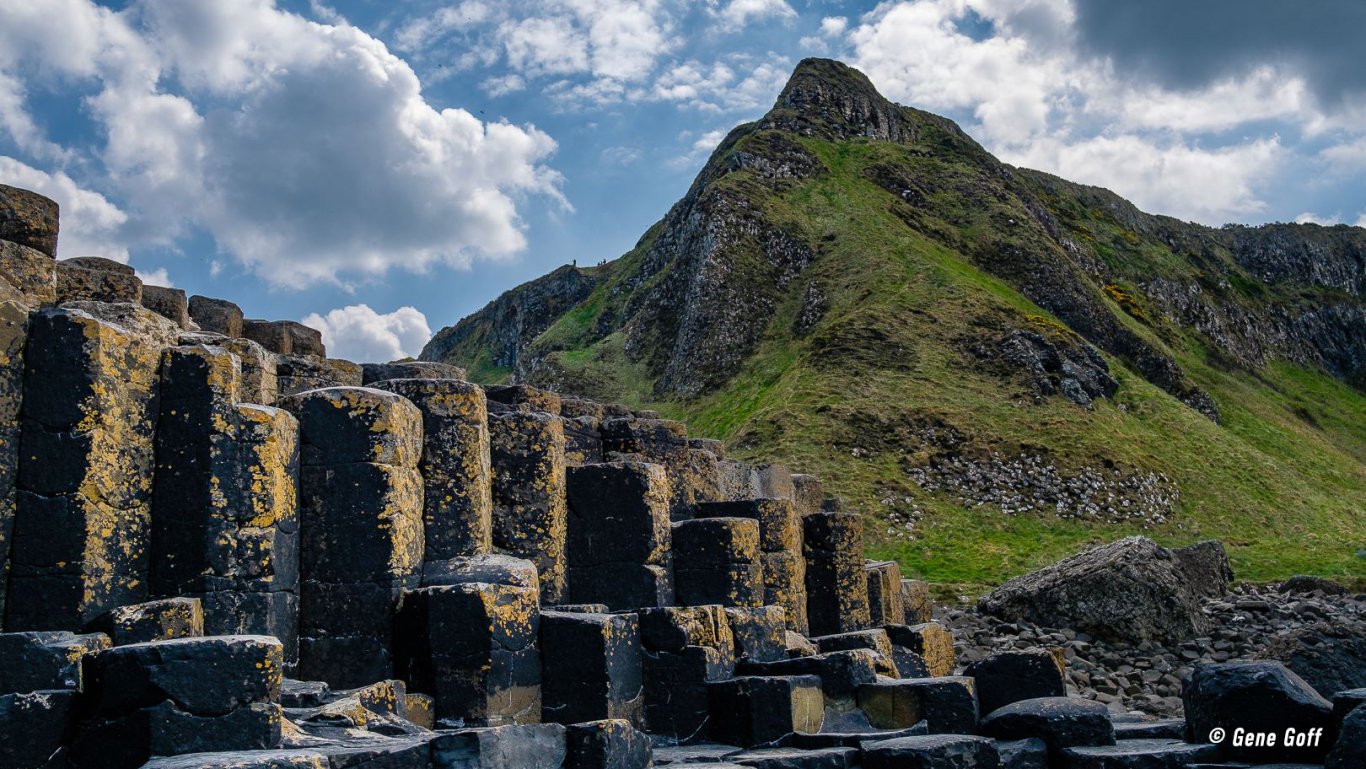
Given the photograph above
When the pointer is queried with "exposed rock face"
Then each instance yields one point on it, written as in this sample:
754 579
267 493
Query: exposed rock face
1133 589
512 320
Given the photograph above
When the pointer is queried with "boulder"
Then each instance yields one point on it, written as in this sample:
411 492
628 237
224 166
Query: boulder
97 279
1061 722
1011 676
915 599
1256 698
1132 590
1137 754
1350 749
218 316
1206 566
1304 583
1022 754
934 751
209 676
1331 658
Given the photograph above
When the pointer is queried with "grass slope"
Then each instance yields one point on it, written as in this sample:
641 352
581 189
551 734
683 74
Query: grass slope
1282 481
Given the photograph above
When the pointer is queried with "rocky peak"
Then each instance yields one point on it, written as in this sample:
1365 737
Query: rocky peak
828 98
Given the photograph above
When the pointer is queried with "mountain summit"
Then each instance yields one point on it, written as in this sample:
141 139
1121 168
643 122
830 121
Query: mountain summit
973 350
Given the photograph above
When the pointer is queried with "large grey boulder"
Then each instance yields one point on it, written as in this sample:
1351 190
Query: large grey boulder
1132 590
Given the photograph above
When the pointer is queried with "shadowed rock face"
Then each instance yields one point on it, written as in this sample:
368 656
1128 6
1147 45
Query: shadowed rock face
1133 590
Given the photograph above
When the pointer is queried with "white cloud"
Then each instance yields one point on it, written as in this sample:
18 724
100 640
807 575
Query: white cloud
738 13
1036 101
90 224
545 46
701 147
1211 186
157 277
1347 156
833 26
306 149
358 333
1361 220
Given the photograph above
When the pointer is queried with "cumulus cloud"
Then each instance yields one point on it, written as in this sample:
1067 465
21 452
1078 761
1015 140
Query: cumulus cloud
1038 97
306 149
1185 45
738 13
1212 186
157 277
356 332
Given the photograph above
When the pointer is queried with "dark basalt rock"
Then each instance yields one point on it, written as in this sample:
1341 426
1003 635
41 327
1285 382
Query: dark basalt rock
948 704
28 219
1140 754
409 369
761 710
841 673
590 667
1061 722
169 303
218 316
609 744
1350 749
787 758
153 621
935 751
210 676
1031 753
1012 676
522 746
34 725
38 660
1258 697
1330 659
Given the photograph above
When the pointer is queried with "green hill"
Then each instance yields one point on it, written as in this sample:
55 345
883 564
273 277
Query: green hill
996 364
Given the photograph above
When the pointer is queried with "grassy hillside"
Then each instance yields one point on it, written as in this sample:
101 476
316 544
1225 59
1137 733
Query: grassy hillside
890 375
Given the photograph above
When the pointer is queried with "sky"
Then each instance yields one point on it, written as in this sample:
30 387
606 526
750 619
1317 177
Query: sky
380 170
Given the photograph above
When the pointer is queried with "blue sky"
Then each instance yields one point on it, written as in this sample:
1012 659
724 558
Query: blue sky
382 169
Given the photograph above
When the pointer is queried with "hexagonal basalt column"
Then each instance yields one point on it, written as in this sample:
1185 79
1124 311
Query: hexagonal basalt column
360 528
529 511
85 471
836 584
455 465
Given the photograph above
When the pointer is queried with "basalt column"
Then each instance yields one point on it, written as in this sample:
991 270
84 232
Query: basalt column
619 535
457 492
85 471
836 584
527 451
692 471
780 540
360 528
225 525
13 335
